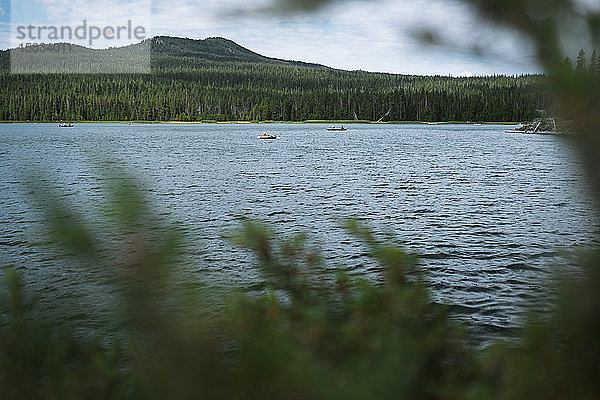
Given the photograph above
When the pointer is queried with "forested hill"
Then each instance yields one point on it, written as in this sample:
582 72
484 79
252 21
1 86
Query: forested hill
179 51
216 79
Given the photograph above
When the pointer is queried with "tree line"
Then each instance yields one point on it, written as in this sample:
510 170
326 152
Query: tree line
583 66
192 88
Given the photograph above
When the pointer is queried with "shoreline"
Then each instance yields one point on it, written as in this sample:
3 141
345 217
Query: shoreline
340 122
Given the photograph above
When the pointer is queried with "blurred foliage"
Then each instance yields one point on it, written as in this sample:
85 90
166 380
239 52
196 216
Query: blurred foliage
37 362
553 25
315 332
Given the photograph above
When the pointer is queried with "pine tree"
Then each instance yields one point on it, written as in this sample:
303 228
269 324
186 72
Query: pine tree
593 63
581 62
568 64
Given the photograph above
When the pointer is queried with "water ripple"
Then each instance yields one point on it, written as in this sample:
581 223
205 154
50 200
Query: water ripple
487 212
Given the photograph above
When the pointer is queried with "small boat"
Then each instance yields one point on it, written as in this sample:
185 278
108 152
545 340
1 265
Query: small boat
69 125
265 136
335 128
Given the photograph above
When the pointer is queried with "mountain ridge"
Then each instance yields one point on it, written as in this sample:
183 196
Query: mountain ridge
215 48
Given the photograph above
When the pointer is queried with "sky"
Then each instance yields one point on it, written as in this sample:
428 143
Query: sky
373 35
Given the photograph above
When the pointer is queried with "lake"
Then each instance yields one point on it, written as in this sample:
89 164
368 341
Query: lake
489 212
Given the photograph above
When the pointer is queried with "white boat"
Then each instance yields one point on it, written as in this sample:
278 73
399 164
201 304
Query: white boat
335 128
265 136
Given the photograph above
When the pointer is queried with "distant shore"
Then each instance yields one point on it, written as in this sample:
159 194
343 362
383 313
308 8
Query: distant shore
331 122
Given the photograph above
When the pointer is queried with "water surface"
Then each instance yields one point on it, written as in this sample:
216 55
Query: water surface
488 212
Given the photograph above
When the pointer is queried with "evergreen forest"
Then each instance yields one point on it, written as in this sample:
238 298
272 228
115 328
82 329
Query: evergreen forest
217 80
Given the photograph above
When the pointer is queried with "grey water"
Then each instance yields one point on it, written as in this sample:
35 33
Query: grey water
490 214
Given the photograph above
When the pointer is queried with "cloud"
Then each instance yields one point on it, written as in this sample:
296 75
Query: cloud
376 35
73 13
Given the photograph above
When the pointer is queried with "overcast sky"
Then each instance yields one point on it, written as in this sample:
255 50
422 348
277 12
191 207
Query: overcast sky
375 35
